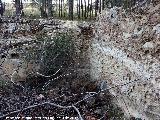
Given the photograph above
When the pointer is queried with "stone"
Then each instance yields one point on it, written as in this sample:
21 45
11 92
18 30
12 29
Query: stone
154 18
148 45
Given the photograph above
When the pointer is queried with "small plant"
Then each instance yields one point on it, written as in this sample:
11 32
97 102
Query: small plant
57 53
53 53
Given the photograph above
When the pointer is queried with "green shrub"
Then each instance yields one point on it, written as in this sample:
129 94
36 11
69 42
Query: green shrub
58 52
53 53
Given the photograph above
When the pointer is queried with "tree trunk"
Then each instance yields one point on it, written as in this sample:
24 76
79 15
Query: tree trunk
71 9
64 9
85 10
79 9
96 7
82 8
100 6
18 7
103 4
2 9
43 8
49 8
91 10
56 7
88 8
61 8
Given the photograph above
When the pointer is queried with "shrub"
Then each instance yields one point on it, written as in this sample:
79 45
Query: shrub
57 52
53 53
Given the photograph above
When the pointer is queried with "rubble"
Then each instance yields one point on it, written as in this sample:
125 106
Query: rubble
126 53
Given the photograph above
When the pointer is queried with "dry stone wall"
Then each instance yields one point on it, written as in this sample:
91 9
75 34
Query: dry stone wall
126 53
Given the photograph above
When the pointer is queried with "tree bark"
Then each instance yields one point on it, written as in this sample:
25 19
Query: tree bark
88 8
19 7
2 8
91 9
49 8
103 4
100 6
96 7
82 8
79 9
61 8
71 9
43 8
85 10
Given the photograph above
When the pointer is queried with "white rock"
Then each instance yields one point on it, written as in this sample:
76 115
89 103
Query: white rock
148 45
114 15
126 35
157 29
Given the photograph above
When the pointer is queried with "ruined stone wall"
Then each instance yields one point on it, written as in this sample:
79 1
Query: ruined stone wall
126 53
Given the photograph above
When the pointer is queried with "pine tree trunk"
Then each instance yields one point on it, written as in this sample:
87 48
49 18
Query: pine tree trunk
103 4
79 9
82 8
85 10
56 8
96 7
91 10
49 8
17 5
88 8
43 8
2 9
61 8
71 9
100 6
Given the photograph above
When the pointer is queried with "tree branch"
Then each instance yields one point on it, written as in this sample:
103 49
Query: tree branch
76 109
49 76
52 104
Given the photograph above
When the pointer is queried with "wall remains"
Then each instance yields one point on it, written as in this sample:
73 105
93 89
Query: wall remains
126 53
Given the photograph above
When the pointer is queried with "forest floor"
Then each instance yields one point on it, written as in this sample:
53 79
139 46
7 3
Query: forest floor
70 98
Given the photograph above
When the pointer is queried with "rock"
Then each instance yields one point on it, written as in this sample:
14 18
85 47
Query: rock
20 67
157 29
98 111
126 35
154 18
40 97
148 45
113 15
89 100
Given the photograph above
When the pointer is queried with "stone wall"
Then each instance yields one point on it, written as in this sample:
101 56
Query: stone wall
126 53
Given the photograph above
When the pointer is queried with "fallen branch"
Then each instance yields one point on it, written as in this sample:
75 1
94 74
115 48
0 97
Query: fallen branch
52 104
60 76
76 109
49 76
13 80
